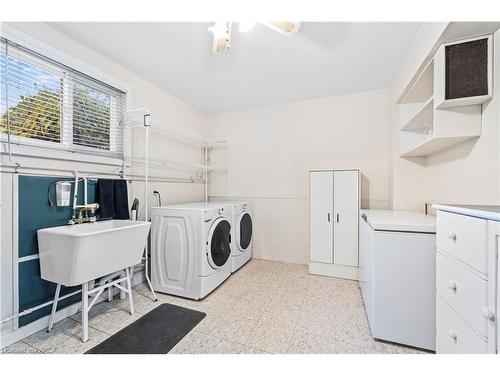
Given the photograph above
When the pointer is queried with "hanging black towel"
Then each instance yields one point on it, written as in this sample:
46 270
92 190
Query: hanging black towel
105 198
121 199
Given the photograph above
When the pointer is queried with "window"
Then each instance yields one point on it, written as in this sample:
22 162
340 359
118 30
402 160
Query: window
46 104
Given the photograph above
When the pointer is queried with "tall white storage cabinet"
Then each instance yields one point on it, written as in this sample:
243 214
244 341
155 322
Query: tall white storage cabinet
334 223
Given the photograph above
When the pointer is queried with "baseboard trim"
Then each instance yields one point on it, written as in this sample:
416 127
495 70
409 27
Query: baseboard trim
334 270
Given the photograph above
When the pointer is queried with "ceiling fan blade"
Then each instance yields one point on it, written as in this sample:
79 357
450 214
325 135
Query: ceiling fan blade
283 27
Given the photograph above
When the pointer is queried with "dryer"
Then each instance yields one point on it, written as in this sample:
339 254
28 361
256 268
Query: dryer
190 248
241 233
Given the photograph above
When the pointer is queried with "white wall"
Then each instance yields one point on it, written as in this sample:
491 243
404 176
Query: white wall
272 148
165 109
468 173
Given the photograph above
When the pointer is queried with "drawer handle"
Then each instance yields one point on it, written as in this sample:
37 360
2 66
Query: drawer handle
488 314
453 334
452 236
452 284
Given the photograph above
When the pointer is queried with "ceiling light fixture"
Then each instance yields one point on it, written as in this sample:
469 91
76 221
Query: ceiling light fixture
222 35
222 32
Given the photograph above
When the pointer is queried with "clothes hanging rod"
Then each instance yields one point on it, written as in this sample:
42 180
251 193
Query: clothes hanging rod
169 162
192 139
163 163
92 174
117 160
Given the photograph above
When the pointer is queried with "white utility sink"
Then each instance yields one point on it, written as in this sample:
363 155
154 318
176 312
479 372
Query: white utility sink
76 254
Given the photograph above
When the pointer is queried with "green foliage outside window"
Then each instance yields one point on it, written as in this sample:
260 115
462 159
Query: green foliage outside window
37 117
36 110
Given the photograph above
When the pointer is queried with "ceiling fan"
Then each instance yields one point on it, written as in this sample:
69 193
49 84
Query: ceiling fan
222 32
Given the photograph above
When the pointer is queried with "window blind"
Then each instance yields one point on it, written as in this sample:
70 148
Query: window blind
47 104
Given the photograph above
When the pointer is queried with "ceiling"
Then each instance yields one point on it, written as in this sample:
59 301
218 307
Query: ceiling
263 67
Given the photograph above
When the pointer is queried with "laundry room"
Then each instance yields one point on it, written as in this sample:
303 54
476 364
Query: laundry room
245 187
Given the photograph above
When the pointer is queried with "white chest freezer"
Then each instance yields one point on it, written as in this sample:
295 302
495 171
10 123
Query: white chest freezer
397 265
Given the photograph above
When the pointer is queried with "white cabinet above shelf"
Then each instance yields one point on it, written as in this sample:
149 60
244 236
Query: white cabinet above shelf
464 72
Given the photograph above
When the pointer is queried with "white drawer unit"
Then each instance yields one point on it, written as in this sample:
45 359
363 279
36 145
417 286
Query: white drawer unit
453 334
466 279
464 290
465 238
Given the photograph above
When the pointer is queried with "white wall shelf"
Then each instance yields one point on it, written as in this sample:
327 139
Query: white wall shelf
432 145
423 87
460 102
140 118
422 119
434 123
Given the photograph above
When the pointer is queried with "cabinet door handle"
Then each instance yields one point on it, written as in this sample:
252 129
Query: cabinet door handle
453 334
338 218
328 217
452 236
488 314
452 284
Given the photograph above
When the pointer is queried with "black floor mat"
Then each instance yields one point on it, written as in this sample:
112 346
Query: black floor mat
155 333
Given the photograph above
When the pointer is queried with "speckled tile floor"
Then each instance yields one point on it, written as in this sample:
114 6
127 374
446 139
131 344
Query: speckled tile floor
266 307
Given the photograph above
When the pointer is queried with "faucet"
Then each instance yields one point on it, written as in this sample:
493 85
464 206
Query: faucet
158 196
86 207
90 211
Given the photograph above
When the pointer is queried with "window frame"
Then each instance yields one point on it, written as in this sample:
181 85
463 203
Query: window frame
31 147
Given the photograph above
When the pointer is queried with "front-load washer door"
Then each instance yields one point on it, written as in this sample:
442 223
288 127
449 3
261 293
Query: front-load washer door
244 231
218 248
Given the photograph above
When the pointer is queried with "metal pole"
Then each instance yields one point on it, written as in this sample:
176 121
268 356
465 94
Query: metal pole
54 308
129 291
226 172
31 170
85 312
7 98
124 147
146 200
205 173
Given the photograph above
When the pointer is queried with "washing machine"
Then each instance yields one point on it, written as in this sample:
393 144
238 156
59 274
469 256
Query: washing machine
190 248
241 233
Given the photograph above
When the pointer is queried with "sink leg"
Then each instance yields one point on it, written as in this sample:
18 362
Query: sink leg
110 294
129 288
146 273
122 293
85 312
54 308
